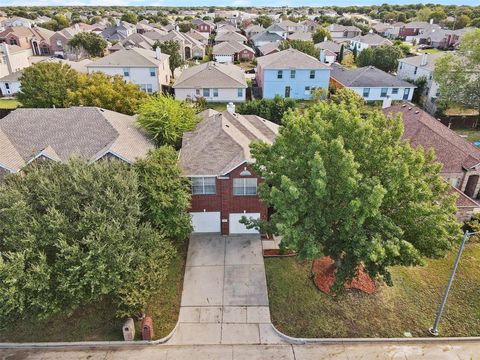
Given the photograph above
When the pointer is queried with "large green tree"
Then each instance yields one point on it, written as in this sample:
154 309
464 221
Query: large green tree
320 35
307 47
130 17
172 48
384 57
342 183
270 109
45 85
71 234
93 44
458 75
166 119
108 92
263 20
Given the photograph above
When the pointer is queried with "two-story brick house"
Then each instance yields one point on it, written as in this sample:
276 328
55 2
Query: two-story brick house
216 157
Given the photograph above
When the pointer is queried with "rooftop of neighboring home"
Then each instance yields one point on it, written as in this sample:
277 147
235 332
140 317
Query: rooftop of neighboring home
268 48
213 75
132 57
417 25
254 28
155 34
114 32
438 34
226 28
230 36
417 60
288 23
175 35
338 28
267 36
221 142
367 76
290 58
278 27
230 48
21 31
420 128
372 39
329 45
59 134
300 35
197 35
80 66
137 40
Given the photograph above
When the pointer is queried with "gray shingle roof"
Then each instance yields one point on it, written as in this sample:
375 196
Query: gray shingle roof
130 57
230 36
368 76
86 132
267 36
372 39
213 75
290 58
417 60
221 142
230 48
329 45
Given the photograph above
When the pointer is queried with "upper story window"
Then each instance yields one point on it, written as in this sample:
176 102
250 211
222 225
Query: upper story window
204 186
126 72
292 74
13 41
279 74
415 71
406 92
366 92
312 74
395 91
215 92
206 92
383 92
245 186
239 92
153 72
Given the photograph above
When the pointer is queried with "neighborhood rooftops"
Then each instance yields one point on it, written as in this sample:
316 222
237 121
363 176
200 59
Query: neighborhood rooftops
221 142
367 76
417 60
130 57
290 58
372 39
230 48
58 134
213 75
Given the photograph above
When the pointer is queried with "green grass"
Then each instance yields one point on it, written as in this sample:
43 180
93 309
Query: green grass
97 321
429 51
219 106
9 104
472 134
299 309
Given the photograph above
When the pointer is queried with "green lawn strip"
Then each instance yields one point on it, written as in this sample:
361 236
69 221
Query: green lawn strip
299 309
97 322
9 104
218 106
472 134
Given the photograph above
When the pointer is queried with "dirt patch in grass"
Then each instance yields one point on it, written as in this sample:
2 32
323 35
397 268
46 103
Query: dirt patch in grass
97 322
299 309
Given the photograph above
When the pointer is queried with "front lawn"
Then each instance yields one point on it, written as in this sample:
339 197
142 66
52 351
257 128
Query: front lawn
299 309
9 104
97 322
472 134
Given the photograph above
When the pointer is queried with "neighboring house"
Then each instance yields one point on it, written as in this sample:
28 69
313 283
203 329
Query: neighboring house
278 29
231 51
203 26
441 38
268 48
460 158
37 39
310 26
213 82
199 36
368 41
329 51
230 36
119 32
339 32
225 27
253 30
189 47
10 84
291 74
291 26
372 84
142 27
409 30
415 67
300 35
266 37
90 133
134 40
148 69
388 30
17 22
216 157
59 43
13 58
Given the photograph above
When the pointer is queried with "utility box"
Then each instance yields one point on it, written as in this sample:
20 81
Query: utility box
147 328
128 330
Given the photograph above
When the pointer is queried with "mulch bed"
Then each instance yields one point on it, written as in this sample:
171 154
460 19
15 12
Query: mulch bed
324 276
276 253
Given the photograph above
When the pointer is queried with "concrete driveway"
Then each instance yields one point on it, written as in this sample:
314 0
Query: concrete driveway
224 298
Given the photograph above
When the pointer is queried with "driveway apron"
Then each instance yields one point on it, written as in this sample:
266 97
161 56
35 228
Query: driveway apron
224 299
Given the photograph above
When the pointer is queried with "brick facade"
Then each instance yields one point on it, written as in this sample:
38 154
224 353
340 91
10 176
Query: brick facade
227 203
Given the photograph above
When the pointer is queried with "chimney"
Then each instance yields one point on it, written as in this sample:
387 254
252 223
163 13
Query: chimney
424 59
322 55
231 108
387 102
158 53
6 53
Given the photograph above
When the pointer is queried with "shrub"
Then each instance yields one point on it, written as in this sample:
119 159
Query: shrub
270 109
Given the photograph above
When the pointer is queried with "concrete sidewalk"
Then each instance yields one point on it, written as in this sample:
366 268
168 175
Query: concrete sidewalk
224 299
365 351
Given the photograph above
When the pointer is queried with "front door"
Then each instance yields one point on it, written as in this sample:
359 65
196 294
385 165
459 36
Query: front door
287 91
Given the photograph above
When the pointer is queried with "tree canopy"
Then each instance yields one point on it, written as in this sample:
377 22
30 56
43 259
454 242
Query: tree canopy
384 57
93 44
172 48
342 183
320 35
166 119
263 20
307 47
270 109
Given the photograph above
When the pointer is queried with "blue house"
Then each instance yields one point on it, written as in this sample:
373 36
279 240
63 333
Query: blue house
292 74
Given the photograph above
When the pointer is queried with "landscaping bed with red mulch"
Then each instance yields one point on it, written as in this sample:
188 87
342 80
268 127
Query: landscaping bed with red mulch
277 253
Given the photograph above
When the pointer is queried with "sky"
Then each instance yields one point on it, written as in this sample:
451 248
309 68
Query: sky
188 3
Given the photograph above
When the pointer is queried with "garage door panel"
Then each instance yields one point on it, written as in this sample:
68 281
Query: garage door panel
237 228
206 222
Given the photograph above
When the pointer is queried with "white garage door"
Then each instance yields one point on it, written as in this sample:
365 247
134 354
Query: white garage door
206 222
237 228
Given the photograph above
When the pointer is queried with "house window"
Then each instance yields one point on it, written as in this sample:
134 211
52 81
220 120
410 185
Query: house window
415 71
7 86
245 187
395 91
126 72
292 74
215 92
197 92
383 92
279 74
366 92
13 41
307 90
153 72
203 186
239 92
406 92
312 74
206 92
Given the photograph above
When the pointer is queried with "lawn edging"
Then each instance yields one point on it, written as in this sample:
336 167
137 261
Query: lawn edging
326 341
92 344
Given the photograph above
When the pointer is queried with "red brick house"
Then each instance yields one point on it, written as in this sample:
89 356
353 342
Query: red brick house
216 157
203 26
37 39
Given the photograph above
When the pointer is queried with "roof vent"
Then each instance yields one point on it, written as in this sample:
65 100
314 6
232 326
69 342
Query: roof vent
409 108
416 112
404 105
